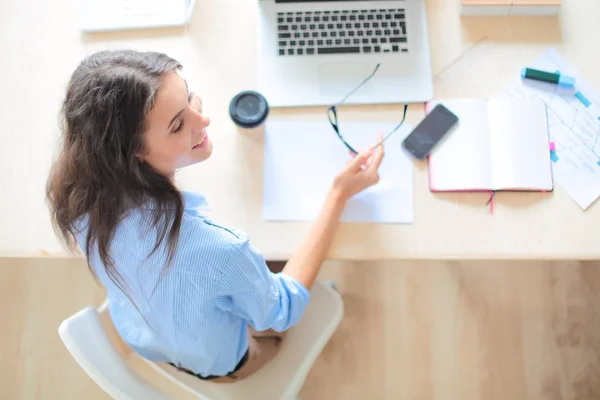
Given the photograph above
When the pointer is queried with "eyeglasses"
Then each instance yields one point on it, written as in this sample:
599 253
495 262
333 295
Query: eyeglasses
333 119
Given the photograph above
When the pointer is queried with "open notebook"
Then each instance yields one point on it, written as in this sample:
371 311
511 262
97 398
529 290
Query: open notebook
499 143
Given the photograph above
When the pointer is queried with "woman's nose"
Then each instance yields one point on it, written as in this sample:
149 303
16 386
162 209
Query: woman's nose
205 120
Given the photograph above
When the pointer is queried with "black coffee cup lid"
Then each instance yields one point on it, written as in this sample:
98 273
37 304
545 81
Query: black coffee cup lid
248 109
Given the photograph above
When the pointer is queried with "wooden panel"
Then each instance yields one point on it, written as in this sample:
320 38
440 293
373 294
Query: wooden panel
413 330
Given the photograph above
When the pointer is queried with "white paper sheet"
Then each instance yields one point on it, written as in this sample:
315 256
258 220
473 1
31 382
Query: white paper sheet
574 125
301 159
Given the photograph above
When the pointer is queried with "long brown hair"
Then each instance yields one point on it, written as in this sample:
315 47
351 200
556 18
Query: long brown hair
98 174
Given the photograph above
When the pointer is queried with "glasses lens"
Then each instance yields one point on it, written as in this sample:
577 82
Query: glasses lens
332 113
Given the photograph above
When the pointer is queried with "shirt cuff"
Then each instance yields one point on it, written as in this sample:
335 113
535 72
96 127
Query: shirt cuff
292 282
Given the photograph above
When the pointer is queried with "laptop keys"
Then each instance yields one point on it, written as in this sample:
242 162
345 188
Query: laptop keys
338 50
385 32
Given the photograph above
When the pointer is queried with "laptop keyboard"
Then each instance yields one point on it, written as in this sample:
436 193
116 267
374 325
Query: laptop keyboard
341 32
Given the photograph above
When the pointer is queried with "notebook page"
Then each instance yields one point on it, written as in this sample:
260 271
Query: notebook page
519 144
461 162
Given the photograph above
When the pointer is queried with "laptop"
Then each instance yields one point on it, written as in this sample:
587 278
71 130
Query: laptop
314 52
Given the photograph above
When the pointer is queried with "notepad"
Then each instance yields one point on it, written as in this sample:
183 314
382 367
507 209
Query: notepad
302 159
499 143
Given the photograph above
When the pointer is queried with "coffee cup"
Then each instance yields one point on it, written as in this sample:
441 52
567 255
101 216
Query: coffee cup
248 110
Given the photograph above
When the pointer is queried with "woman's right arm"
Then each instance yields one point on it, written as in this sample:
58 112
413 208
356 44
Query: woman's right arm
277 301
359 174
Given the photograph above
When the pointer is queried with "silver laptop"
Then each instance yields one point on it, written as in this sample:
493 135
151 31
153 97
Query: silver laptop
314 52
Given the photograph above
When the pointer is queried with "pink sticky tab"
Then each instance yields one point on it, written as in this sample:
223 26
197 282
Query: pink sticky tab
552 146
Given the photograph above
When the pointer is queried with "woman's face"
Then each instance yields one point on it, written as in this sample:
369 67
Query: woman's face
176 129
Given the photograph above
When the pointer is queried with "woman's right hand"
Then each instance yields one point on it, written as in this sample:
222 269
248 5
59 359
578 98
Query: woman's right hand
361 172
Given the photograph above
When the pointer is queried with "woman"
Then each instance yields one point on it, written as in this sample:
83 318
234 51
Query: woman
182 288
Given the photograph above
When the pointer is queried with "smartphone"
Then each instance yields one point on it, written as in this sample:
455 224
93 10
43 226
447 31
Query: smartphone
429 132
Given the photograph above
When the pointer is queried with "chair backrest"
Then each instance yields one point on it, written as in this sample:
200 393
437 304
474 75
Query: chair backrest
94 343
88 342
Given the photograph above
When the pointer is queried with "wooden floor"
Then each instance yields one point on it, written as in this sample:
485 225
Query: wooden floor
412 330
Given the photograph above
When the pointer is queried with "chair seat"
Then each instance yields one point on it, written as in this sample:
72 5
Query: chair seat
282 378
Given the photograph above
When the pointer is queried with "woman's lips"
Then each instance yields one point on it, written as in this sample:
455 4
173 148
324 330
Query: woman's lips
202 143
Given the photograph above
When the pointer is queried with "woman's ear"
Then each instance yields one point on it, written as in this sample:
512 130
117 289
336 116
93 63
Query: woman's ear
141 153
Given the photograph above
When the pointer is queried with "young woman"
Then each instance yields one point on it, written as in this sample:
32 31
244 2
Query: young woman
182 289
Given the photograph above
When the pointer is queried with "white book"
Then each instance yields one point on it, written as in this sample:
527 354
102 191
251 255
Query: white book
498 144
509 7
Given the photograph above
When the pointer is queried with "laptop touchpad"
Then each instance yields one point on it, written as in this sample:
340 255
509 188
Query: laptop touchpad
339 78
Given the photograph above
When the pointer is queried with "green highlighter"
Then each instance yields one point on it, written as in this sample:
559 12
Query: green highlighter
549 77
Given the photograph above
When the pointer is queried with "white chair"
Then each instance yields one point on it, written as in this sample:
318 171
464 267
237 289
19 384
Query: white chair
93 341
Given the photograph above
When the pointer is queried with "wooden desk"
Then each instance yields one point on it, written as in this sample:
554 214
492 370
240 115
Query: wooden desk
42 44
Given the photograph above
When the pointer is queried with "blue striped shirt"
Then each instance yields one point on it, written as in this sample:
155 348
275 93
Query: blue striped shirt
194 313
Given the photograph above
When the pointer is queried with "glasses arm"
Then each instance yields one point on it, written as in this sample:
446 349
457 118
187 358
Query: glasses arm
359 85
396 128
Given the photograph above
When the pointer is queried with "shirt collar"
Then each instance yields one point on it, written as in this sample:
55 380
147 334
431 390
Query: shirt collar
194 202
